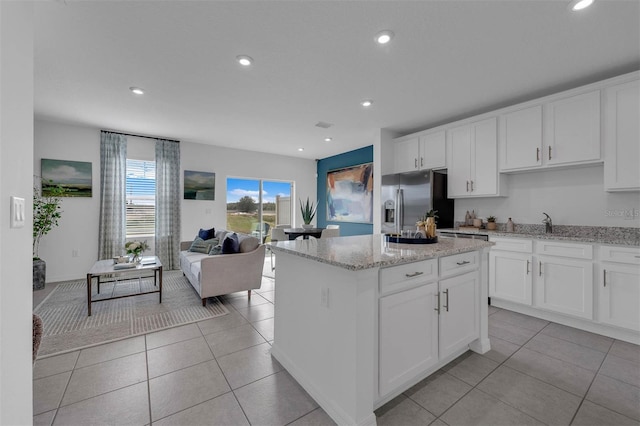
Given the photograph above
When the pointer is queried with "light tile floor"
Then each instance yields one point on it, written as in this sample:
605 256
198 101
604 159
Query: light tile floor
220 371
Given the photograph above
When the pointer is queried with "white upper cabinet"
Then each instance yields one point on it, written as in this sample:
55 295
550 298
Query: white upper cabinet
521 139
472 160
622 137
572 129
423 152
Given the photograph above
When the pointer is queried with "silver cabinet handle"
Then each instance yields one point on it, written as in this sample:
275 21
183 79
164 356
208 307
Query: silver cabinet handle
446 294
437 308
471 186
415 163
421 161
467 186
539 268
415 274
549 153
604 277
528 267
537 154
464 262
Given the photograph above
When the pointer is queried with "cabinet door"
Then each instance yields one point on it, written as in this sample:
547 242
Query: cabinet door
484 158
459 307
510 276
406 155
619 300
622 137
573 129
458 161
521 139
408 342
433 151
565 286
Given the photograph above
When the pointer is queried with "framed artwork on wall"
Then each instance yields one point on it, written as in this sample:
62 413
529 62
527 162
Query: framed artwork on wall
350 194
74 176
199 185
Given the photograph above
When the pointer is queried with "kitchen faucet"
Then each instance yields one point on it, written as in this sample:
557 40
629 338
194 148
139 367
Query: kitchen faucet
548 224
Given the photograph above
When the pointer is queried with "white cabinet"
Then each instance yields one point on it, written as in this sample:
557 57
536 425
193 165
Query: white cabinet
521 139
572 129
423 152
408 335
459 312
472 160
622 137
564 282
510 276
619 287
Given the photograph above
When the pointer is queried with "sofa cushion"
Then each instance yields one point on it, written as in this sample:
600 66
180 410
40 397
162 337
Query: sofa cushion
230 244
200 246
207 234
248 243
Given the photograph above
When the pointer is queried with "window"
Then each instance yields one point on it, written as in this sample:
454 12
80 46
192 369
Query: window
141 198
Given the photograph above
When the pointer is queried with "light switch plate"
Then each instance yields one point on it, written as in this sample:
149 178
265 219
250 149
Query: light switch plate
17 212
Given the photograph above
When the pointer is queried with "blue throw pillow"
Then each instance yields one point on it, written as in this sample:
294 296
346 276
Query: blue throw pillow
231 244
207 234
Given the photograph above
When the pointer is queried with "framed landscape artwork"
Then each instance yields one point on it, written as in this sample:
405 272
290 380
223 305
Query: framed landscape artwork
73 176
350 194
199 185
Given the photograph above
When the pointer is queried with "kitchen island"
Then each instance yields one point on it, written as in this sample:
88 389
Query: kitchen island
359 320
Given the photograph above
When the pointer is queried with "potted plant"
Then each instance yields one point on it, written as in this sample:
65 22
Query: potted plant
46 212
308 211
491 223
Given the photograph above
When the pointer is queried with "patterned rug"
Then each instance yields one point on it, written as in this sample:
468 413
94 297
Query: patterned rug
67 326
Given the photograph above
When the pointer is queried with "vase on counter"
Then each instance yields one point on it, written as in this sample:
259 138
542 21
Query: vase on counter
431 227
510 226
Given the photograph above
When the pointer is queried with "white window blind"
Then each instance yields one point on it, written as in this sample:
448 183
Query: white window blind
141 198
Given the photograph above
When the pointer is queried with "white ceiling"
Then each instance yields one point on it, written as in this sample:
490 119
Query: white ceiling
314 61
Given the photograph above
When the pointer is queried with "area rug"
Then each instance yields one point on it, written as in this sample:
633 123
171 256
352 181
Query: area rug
67 326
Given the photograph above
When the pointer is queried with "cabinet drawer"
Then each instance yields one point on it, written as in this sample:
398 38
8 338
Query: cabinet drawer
555 248
400 277
512 244
630 255
459 263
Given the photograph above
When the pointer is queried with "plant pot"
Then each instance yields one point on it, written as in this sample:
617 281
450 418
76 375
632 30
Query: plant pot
39 273
307 226
492 226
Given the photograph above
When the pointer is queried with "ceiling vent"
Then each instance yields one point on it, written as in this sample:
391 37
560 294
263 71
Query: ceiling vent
323 125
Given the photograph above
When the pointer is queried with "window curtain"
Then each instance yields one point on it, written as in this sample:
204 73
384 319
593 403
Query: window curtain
113 169
168 203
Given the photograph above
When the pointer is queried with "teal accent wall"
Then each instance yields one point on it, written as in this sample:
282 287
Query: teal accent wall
351 158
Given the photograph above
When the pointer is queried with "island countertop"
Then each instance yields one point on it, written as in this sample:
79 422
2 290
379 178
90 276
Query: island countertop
373 251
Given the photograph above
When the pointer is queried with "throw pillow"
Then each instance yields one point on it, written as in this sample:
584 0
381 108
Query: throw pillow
212 241
217 249
231 244
200 246
207 234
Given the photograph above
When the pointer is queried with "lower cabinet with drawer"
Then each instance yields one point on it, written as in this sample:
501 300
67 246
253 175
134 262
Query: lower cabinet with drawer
510 270
424 318
619 287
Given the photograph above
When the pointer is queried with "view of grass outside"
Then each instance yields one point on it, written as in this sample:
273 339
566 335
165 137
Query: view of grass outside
243 205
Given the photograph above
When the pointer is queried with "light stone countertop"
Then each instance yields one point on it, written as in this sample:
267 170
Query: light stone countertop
578 234
373 251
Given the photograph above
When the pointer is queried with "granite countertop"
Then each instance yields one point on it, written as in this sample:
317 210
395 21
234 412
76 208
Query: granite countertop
373 251
582 234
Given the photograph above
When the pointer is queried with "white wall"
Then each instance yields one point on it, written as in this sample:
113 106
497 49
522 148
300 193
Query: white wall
16 156
78 228
571 197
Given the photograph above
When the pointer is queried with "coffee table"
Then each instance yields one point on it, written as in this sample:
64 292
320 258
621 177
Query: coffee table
107 267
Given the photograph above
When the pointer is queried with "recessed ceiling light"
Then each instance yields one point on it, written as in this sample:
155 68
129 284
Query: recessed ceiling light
328 139
384 37
136 90
366 103
300 149
576 5
244 60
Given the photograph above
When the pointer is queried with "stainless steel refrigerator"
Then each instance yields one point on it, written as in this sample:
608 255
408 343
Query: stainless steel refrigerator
407 197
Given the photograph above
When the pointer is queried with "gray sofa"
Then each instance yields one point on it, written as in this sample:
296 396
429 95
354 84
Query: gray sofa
215 275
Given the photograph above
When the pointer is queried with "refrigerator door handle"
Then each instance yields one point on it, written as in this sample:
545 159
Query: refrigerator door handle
399 210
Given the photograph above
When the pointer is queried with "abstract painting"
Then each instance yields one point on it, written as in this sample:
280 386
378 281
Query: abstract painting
199 185
350 194
73 176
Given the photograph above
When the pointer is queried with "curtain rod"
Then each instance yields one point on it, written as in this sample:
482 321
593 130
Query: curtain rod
139 136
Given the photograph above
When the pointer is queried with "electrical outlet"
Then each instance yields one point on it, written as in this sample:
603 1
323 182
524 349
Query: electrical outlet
324 297
17 212
74 253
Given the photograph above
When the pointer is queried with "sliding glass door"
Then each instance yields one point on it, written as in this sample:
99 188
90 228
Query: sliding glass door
254 206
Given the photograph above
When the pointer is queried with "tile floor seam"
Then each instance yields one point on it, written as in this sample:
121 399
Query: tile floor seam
512 406
220 331
146 355
560 359
579 344
110 359
190 407
66 387
239 350
99 394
